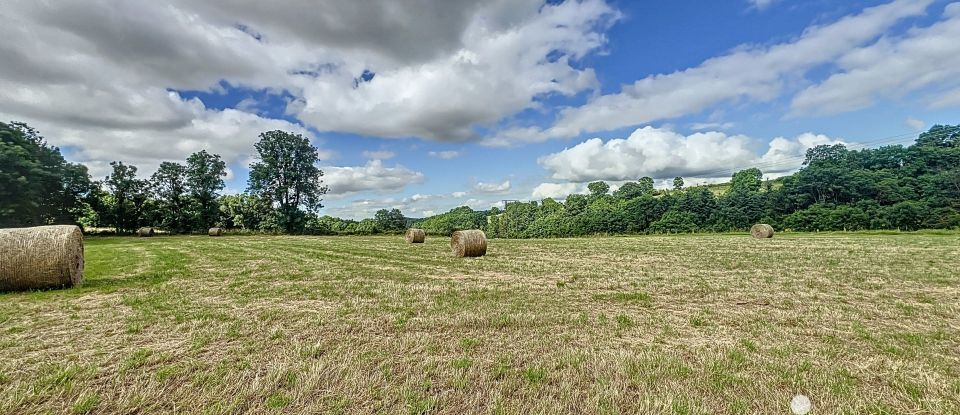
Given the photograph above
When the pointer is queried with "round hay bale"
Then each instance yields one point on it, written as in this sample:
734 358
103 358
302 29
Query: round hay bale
472 243
41 257
761 231
145 232
215 232
415 236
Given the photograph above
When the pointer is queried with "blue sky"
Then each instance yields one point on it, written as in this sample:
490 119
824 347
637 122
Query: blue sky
441 104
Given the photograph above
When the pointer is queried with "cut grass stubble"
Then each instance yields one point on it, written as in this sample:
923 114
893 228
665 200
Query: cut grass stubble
673 324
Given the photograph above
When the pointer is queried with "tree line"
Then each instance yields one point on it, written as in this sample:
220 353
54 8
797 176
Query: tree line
39 187
891 187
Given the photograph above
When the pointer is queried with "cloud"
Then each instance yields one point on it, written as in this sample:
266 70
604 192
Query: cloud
492 187
915 124
379 155
556 190
785 155
761 4
445 155
497 70
96 78
372 177
661 153
749 73
458 194
100 78
892 67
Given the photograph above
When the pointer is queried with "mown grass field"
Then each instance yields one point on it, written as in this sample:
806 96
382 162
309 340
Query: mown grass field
860 323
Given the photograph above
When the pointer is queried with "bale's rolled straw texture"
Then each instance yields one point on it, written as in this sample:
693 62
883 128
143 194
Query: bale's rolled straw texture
761 231
472 243
415 236
41 257
145 232
215 232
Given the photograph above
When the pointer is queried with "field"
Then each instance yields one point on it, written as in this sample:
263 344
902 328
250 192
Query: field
860 323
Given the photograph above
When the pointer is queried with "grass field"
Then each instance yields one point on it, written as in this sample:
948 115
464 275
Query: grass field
860 323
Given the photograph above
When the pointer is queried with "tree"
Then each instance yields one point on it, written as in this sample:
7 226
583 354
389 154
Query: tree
287 176
205 173
631 190
244 211
37 185
170 184
598 188
129 197
390 220
678 183
675 222
940 136
825 153
748 180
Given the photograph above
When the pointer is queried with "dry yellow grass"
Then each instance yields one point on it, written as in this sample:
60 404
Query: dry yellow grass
860 323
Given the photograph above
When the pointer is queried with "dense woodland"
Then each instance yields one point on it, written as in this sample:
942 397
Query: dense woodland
892 187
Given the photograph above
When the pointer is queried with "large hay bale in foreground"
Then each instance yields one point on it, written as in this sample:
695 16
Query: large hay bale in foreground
215 232
472 243
144 232
41 257
761 231
415 236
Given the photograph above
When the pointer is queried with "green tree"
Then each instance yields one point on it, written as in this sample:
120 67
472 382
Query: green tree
675 222
390 220
598 188
129 197
37 185
169 183
678 183
244 211
631 190
287 176
205 173
748 180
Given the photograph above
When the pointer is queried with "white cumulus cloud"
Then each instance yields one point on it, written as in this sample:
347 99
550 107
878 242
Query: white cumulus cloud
556 190
661 153
372 177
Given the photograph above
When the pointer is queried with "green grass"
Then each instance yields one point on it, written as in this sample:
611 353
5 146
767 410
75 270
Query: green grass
686 324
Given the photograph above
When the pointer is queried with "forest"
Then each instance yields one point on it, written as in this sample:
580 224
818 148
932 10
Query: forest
891 187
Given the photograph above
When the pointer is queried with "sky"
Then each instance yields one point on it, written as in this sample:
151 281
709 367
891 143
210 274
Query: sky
426 105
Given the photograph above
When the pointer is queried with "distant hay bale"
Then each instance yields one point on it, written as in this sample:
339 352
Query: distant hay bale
41 257
144 232
415 236
761 231
472 243
215 232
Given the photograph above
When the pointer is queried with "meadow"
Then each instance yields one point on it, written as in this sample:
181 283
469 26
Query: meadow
862 323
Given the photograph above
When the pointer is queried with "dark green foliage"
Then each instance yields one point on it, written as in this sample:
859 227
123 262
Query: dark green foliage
288 177
892 187
598 188
129 197
37 186
460 218
390 221
675 222
245 212
170 186
205 173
